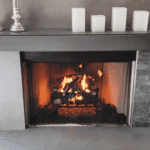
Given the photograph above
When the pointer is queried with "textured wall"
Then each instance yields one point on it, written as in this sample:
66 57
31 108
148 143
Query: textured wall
141 112
57 13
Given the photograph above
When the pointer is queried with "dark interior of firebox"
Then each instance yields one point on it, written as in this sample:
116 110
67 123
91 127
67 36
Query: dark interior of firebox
76 92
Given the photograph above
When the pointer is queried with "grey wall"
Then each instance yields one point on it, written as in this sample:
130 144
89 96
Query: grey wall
38 14
11 94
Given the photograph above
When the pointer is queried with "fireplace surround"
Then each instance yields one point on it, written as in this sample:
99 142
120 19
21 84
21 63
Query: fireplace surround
11 44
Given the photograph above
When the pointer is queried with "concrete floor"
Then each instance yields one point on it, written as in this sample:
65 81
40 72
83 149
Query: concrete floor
77 138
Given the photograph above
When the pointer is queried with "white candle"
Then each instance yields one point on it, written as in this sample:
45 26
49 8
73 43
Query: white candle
119 17
98 23
78 19
140 20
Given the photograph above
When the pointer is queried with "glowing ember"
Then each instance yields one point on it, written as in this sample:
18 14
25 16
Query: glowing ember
99 73
70 91
65 81
79 97
76 111
87 90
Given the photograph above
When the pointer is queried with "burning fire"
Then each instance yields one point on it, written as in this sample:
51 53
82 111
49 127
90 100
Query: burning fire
84 84
65 81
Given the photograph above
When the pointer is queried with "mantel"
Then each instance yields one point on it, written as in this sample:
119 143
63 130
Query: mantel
65 40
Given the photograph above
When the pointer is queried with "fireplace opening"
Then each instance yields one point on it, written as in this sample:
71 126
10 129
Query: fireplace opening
62 88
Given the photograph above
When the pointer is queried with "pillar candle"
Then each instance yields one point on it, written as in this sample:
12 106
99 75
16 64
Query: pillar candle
119 17
98 23
140 20
78 19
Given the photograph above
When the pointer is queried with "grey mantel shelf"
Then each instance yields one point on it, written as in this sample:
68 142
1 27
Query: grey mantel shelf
65 40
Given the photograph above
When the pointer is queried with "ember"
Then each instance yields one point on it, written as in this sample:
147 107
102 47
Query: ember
77 111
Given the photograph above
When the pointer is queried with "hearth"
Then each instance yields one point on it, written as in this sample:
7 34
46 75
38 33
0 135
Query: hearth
77 87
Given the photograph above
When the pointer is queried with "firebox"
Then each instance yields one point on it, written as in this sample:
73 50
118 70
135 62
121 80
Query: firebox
76 87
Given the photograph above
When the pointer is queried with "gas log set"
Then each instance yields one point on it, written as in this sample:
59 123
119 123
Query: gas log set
75 98
74 90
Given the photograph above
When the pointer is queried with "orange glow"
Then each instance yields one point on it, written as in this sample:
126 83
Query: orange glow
79 97
43 92
113 80
65 81
99 73
41 83
80 66
87 90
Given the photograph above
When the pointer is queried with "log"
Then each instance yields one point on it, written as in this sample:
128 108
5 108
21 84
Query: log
76 88
70 85
71 95
57 101
54 96
95 90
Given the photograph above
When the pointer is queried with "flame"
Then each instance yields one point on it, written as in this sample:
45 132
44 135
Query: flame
73 99
65 80
99 73
87 90
84 84
80 66
79 97
70 90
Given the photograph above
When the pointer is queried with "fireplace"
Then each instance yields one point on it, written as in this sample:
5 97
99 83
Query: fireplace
15 105
77 87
